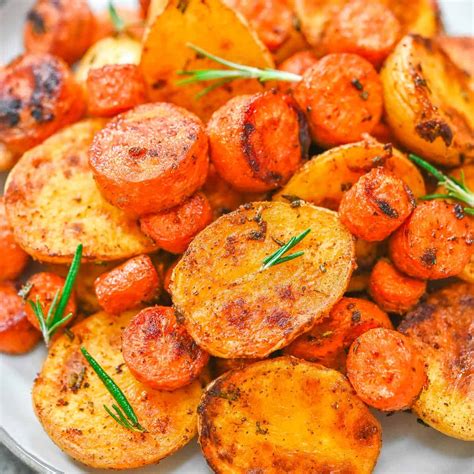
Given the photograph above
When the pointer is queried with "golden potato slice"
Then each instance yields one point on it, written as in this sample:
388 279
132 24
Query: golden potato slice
324 179
231 307
443 330
417 16
212 26
429 104
53 203
286 415
68 398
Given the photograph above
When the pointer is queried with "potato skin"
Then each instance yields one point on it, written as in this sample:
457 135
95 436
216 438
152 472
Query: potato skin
442 329
428 102
260 418
53 204
68 398
124 158
231 307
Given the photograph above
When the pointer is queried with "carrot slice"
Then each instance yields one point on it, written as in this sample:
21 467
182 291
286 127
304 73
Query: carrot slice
366 28
17 335
342 96
299 62
376 205
174 229
14 258
128 285
392 290
385 369
159 352
435 242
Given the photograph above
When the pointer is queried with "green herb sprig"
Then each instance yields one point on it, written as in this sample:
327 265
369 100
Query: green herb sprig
55 318
234 71
279 256
124 414
117 20
456 189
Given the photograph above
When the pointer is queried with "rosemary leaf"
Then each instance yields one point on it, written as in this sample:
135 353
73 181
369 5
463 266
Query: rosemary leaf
117 20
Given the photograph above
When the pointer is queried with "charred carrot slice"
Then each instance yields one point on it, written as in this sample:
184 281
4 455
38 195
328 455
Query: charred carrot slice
17 335
435 242
392 290
159 352
385 369
376 205
174 229
128 285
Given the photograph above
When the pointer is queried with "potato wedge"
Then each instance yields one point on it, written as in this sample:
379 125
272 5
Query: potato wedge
286 415
429 104
68 399
417 16
232 307
212 26
443 330
53 203
323 180
461 51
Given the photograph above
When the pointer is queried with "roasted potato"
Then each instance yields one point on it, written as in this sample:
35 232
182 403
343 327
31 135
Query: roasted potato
443 330
461 51
53 203
417 16
212 26
429 104
232 307
68 399
324 179
286 415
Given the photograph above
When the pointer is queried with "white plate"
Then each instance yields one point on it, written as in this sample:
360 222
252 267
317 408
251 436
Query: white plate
408 447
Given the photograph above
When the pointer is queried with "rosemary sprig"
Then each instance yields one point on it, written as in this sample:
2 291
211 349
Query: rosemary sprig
279 256
117 20
55 318
456 189
124 414
234 71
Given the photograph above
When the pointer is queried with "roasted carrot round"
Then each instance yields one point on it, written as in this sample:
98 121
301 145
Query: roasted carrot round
385 369
363 27
114 88
13 258
168 274
435 242
174 229
342 97
128 285
392 290
327 341
271 19
243 135
159 352
150 158
299 62
44 287
38 96
17 335
134 25
59 27
377 204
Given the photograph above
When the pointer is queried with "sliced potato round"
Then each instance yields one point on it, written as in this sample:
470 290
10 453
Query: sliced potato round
212 26
53 203
324 179
443 330
232 307
68 398
286 415
429 104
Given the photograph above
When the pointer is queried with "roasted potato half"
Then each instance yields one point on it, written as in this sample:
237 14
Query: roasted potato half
68 398
417 16
324 179
286 415
53 203
212 26
461 50
442 328
232 306
429 104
